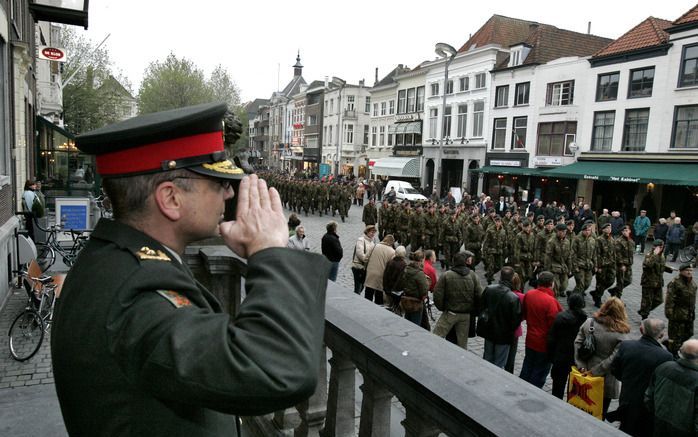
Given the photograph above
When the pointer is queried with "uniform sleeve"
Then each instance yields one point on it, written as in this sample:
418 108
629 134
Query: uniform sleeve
263 359
669 304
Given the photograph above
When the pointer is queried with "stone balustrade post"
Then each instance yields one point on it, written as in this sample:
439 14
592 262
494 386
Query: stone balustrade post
416 424
340 402
313 411
226 271
375 408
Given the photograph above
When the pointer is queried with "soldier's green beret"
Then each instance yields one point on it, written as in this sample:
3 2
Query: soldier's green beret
569 222
549 222
657 243
685 266
607 225
540 217
525 222
560 227
586 226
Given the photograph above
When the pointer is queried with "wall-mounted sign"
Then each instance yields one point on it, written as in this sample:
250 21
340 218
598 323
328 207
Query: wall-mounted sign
52 53
542 161
406 117
502 163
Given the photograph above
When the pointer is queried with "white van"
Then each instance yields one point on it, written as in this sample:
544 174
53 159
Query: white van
404 191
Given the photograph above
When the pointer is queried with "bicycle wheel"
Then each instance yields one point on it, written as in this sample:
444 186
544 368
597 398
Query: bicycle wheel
26 335
687 254
45 257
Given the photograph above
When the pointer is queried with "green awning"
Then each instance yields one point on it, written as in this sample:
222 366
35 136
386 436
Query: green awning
664 173
54 127
518 171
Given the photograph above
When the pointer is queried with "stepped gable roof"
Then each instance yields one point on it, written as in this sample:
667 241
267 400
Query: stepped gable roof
501 30
689 17
649 33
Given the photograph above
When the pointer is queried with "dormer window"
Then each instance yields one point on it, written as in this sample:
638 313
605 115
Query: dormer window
518 54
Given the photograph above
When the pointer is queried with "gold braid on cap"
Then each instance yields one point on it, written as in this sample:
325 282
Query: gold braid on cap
226 166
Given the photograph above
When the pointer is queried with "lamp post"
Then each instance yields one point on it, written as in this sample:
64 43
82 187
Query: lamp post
448 53
340 128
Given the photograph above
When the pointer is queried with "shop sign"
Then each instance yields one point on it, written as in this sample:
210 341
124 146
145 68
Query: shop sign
547 160
623 179
52 53
500 163
406 117
450 152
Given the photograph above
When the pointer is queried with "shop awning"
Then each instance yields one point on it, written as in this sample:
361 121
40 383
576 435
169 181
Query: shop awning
519 171
396 166
664 173
55 127
413 127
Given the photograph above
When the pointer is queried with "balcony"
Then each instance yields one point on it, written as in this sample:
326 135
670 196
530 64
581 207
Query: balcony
440 387
350 114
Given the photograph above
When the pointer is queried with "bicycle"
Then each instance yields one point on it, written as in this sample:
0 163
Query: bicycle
47 252
104 205
28 329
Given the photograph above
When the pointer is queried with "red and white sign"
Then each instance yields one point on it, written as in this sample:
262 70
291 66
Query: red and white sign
52 53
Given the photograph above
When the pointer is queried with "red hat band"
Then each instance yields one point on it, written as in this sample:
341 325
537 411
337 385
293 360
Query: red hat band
149 157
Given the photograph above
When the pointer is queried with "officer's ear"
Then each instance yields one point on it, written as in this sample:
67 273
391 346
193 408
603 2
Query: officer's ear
168 200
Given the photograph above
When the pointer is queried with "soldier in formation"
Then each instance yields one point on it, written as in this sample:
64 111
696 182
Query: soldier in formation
679 307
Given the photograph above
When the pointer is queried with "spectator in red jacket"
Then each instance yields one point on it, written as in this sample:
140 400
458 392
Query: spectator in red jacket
539 309
429 260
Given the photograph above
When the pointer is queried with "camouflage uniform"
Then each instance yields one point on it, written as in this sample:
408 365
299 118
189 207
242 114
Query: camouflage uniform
652 281
370 214
606 265
541 243
431 230
403 224
474 235
450 238
679 309
524 248
416 230
625 250
493 248
583 261
557 258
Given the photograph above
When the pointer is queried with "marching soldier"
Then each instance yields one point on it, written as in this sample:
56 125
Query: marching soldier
542 242
557 257
625 250
652 280
583 259
473 238
403 222
523 252
370 214
450 238
416 229
605 263
493 248
432 225
679 307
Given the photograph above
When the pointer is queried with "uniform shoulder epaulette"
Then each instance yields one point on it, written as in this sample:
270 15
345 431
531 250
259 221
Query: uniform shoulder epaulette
146 253
175 298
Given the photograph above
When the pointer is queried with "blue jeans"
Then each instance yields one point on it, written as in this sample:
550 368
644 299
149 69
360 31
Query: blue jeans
333 271
496 354
415 317
535 367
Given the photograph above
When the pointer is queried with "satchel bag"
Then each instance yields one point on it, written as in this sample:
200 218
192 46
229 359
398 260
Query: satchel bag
588 347
411 304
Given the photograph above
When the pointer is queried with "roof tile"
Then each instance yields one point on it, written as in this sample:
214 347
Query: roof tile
650 33
688 17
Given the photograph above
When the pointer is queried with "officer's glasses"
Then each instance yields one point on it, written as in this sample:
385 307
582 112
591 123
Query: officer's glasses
226 184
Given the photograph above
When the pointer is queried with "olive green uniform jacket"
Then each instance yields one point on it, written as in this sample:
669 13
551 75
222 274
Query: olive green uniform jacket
141 349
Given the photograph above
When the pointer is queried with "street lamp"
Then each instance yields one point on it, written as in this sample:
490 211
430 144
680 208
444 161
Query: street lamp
448 52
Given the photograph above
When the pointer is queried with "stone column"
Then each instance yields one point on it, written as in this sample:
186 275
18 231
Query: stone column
226 271
313 411
340 402
416 424
375 408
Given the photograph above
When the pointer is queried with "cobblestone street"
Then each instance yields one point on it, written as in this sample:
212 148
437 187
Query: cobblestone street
27 387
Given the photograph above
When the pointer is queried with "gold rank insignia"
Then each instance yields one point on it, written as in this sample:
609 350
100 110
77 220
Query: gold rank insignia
148 253
227 166
175 298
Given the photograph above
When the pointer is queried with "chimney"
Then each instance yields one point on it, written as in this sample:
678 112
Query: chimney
376 76
362 82
589 28
327 80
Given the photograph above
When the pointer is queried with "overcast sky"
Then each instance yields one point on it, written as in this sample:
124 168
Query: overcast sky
257 40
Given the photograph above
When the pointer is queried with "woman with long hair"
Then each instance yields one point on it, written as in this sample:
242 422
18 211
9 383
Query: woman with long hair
610 328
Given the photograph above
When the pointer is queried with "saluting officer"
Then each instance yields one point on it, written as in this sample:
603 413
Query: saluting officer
139 347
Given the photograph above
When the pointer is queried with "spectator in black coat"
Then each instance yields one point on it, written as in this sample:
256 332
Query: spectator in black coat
634 365
332 248
617 223
561 341
660 230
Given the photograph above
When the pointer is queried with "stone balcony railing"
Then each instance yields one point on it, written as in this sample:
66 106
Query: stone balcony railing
442 388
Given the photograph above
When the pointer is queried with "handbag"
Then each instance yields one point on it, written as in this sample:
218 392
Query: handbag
588 347
586 392
411 304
